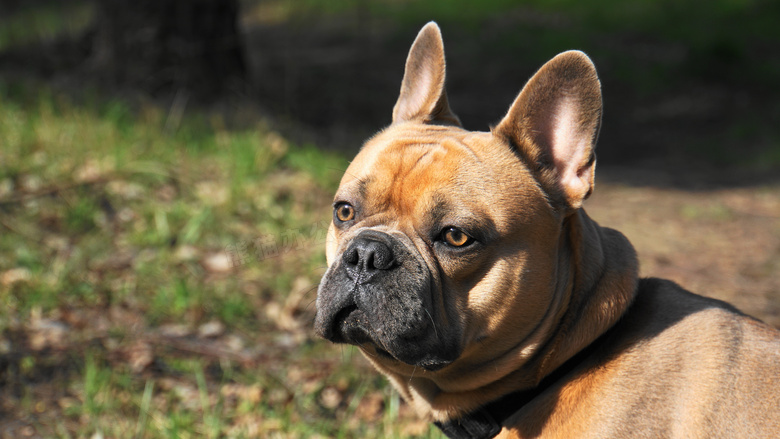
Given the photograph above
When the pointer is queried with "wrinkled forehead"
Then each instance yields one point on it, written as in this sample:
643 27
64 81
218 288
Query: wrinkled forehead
412 169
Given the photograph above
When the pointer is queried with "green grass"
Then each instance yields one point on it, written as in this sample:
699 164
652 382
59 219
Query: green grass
44 22
111 220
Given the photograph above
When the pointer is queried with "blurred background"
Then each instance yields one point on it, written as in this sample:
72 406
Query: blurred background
167 169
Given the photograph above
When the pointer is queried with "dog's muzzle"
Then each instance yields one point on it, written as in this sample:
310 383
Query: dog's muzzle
379 292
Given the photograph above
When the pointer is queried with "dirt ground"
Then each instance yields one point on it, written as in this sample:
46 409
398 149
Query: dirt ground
722 243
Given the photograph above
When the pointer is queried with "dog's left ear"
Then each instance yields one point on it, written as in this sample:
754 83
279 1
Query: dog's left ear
554 123
423 97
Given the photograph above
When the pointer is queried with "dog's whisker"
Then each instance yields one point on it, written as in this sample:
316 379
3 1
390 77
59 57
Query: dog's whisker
312 302
311 288
435 332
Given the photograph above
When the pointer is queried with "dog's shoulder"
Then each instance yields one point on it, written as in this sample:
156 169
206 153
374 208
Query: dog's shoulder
669 330
668 303
663 312
673 347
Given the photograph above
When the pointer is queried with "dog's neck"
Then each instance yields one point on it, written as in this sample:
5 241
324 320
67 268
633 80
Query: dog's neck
601 284
599 273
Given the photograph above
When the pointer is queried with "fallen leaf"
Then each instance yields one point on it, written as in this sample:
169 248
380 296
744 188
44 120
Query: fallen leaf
139 356
174 330
212 193
330 398
47 333
371 407
186 253
211 329
14 275
218 263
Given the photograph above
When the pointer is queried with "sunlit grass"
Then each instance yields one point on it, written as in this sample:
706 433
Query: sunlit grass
114 257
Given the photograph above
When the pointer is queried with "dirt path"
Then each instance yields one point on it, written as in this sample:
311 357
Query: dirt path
723 243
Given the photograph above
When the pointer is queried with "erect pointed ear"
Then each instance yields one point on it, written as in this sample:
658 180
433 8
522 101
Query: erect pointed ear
423 97
554 124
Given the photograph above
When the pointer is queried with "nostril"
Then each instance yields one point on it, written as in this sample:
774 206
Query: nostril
351 256
378 256
381 258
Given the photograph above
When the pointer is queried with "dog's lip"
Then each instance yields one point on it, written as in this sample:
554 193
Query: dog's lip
340 320
348 326
383 353
429 364
434 365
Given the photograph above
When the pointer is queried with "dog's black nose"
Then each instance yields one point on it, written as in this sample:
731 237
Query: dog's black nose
367 256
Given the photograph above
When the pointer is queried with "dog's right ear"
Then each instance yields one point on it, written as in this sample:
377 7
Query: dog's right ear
423 97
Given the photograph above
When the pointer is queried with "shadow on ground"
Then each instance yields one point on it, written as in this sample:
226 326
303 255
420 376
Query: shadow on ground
692 108
675 127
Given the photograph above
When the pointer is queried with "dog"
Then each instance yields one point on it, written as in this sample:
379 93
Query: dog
464 267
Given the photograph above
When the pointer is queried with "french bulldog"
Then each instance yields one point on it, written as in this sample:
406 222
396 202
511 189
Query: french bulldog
464 267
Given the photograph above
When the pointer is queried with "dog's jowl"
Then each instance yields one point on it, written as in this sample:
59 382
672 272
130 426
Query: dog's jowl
465 268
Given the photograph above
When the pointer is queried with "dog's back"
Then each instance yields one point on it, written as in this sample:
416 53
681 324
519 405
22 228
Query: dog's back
677 365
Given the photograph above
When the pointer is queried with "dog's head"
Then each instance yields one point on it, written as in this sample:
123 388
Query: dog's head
445 250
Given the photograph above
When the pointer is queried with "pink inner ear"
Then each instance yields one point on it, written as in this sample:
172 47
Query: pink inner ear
570 145
417 94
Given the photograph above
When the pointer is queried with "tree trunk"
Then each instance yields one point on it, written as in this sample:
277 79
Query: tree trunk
163 46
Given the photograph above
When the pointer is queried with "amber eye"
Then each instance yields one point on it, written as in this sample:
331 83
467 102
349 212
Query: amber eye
455 237
344 212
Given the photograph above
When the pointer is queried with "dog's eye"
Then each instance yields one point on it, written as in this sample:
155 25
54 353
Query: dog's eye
455 237
344 212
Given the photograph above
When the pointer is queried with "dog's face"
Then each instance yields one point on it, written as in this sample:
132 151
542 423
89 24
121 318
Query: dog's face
444 250
422 222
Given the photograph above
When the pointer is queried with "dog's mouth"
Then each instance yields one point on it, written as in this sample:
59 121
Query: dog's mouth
349 328
350 325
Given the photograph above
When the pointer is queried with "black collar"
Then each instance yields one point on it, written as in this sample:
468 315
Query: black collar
486 422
